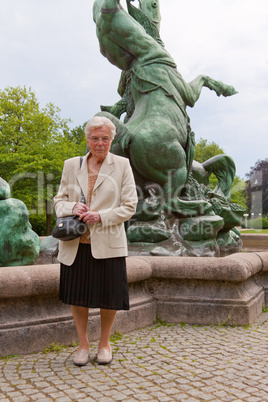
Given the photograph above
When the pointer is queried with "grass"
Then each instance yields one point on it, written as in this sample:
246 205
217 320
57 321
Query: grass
54 347
259 231
8 357
159 321
117 336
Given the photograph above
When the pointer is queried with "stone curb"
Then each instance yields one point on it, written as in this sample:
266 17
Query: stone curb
193 290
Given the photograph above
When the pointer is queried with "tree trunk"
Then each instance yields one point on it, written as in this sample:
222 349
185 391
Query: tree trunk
48 217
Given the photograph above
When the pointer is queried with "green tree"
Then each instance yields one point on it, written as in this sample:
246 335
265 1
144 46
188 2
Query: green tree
77 136
238 195
34 143
204 151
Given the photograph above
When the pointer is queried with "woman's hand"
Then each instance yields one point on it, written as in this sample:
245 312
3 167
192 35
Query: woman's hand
90 217
85 215
80 209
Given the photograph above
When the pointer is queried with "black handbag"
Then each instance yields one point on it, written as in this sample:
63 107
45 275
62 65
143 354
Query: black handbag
70 227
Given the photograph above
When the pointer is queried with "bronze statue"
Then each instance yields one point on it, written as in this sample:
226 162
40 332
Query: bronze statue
156 135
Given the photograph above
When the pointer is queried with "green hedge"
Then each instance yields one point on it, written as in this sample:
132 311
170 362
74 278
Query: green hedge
38 223
259 223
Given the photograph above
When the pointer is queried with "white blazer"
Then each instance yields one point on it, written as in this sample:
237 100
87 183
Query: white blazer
114 196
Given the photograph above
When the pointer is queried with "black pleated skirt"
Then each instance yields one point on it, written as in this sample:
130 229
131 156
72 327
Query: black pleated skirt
94 283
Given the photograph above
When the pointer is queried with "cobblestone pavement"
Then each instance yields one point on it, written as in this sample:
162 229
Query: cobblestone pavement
161 362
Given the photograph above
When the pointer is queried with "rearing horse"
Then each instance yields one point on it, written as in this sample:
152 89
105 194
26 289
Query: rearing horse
158 135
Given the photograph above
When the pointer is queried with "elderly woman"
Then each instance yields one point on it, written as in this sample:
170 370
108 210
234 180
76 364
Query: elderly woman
93 267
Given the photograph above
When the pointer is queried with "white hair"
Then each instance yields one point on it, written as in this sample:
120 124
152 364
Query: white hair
97 122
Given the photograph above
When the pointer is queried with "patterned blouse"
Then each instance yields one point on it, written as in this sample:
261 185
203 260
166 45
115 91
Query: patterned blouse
92 177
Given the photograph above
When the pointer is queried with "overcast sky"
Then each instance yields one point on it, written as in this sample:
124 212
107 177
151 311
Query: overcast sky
51 46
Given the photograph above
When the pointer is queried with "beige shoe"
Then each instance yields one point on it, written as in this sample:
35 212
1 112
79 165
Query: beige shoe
81 357
104 356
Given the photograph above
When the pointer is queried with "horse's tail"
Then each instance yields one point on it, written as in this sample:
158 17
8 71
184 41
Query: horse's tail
123 135
224 169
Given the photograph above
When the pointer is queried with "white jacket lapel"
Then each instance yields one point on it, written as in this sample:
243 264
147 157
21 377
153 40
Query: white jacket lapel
105 170
82 175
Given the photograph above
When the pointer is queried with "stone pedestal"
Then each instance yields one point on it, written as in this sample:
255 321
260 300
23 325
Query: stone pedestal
227 290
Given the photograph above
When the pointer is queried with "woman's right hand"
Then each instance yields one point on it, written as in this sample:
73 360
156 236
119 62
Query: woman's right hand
80 209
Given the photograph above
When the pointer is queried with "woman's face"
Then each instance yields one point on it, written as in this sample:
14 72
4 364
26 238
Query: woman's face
100 142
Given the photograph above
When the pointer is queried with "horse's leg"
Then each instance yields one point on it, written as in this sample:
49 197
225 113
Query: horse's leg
157 155
219 87
174 205
205 81
155 148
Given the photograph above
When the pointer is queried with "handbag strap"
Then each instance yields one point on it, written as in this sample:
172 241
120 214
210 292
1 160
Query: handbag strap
82 198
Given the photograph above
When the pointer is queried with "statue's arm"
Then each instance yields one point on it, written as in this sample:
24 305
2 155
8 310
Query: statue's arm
124 32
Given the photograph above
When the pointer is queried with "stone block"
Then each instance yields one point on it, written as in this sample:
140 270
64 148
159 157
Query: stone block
254 242
262 276
228 290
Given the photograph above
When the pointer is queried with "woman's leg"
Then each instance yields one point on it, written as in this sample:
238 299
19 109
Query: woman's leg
80 315
107 320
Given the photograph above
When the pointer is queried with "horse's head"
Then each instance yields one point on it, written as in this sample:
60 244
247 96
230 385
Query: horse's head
151 8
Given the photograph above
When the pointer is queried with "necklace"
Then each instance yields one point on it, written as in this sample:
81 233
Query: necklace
94 169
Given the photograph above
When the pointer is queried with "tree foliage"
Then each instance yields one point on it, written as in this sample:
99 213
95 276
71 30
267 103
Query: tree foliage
34 143
77 136
204 151
238 192
257 188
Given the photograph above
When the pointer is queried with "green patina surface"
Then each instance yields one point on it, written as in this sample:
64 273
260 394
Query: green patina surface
4 189
19 244
156 135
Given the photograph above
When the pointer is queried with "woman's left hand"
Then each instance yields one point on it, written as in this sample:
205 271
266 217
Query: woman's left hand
90 217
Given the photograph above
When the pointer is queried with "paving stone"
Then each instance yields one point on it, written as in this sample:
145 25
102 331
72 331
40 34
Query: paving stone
30 391
37 397
65 399
190 364
13 395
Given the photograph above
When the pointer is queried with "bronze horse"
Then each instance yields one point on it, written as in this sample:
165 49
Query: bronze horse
156 136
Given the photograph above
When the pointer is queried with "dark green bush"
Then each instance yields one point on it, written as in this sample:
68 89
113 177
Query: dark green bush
38 223
260 223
